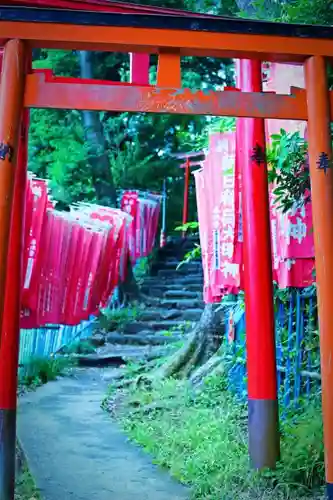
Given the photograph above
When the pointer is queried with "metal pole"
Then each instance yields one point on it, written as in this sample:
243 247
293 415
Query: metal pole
186 188
163 229
11 107
264 442
320 155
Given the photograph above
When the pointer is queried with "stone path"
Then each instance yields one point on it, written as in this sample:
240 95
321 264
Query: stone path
76 452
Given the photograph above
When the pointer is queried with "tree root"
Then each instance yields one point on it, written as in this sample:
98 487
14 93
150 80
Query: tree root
195 360
206 370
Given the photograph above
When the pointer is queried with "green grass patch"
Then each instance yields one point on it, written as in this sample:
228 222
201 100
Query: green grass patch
25 488
79 347
39 371
202 439
116 319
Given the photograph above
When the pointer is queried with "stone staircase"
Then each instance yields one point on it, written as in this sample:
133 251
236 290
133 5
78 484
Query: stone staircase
176 304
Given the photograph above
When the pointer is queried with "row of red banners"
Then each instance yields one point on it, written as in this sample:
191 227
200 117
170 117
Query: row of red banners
74 260
145 210
218 189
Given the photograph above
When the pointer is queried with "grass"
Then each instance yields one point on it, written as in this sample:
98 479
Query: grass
117 319
25 487
39 371
79 347
202 439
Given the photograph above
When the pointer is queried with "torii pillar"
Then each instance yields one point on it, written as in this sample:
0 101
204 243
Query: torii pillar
11 113
321 173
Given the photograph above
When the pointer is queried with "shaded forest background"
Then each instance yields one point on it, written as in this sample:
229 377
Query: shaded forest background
90 156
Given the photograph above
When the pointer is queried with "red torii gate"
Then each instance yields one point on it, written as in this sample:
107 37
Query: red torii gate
105 26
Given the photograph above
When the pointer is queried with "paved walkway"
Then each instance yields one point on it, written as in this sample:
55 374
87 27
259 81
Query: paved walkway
76 452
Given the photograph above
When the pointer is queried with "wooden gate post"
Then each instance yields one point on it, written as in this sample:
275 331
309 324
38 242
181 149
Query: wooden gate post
186 193
11 113
264 442
320 155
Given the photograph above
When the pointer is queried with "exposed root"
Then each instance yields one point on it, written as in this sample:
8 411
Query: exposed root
196 359
206 370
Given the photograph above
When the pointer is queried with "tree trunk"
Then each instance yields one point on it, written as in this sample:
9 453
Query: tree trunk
129 290
102 174
98 157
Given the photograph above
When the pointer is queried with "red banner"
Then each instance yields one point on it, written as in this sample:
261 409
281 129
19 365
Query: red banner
73 261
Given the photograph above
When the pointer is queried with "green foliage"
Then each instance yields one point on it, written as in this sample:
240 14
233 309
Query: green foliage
79 347
288 169
302 448
202 438
25 487
42 370
189 226
193 254
139 147
116 319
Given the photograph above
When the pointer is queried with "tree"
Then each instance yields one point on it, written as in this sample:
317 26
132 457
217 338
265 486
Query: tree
98 158
200 355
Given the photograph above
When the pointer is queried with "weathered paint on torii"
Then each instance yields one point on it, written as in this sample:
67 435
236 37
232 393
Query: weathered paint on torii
107 26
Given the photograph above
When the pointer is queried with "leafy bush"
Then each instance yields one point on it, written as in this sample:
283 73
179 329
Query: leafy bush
287 160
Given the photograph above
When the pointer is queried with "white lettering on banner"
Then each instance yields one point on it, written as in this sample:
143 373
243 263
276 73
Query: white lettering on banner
228 165
216 240
296 231
228 197
274 243
216 217
36 191
240 219
290 263
30 263
229 182
228 231
227 250
87 292
297 207
229 268
228 219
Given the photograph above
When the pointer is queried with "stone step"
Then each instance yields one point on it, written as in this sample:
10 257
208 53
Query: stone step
173 264
181 294
154 291
142 326
188 314
191 279
143 339
195 288
159 291
180 280
182 271
156 314
193 314
117 355
167 325
181 303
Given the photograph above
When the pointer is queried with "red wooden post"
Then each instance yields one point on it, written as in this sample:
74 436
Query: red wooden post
186 188
264 444
139 69
163 226
320 154
11 108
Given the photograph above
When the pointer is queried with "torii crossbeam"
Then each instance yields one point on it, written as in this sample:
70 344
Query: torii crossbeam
100 25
